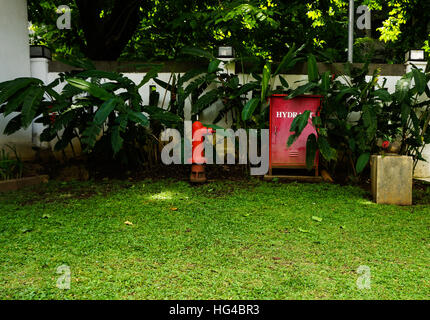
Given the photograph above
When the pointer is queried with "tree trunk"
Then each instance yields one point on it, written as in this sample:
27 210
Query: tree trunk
107 37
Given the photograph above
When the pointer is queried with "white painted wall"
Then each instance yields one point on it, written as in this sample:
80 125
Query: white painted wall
14 62
14 49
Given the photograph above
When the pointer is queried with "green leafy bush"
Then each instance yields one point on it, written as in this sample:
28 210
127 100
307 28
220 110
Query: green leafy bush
206 86
356 113
407 116
102 110
266 83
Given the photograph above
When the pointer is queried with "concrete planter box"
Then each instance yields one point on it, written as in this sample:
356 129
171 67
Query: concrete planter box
391 177
16 184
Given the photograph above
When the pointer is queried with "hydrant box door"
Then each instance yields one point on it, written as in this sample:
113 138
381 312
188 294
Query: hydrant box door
282 114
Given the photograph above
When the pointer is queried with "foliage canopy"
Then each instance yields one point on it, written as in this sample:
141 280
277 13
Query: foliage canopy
153 29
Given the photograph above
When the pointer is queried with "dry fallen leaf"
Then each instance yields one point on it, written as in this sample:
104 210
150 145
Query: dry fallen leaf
174 209
128 223
317 219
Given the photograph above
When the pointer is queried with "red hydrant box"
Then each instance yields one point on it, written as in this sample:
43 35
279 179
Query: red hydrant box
282 114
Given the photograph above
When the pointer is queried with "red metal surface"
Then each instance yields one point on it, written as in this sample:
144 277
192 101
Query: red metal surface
282 114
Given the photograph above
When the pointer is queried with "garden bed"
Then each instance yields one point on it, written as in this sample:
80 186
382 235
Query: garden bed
17 184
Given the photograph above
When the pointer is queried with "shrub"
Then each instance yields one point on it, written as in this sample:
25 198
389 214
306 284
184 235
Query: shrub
102 110
355 113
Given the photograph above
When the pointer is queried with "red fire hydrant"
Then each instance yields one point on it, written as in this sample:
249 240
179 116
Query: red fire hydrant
198 160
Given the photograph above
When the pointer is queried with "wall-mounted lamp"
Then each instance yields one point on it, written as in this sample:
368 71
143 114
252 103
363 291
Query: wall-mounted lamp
225 52
40 52
415 55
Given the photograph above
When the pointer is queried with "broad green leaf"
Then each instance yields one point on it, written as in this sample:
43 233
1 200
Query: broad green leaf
285 60
420 80
326 150
194 85
12 87
105 110
316 121
116 139
362 161
405 112
311 150
233 83
190 75
150 74
54 94
291 139
66 138
90 134
48 135
265 82
163 84
4 84
343 92
205 101
91 88
370 120
352 144
247 87
284 82
325 81
249 108
313 74
300 122
122 121
289 60
161 115
138 117
213 65
382 94
31 104
64 119
16 101
297 126
302 90
256 77
415 123
13 125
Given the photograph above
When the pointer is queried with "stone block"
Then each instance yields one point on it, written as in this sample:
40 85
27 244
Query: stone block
391 177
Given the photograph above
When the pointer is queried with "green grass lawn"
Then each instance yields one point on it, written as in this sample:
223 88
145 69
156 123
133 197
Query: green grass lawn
223 240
